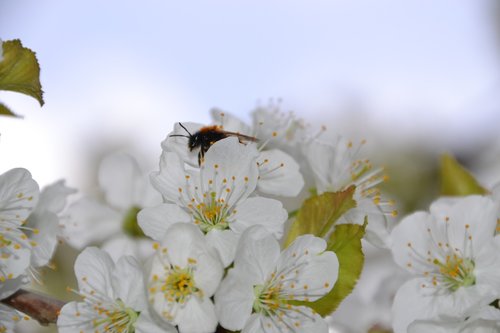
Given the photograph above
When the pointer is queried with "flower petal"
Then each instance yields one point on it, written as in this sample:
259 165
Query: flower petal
124 245
306 266
225 242
7 316
257 254
120 177
10 286
155 221
13 261
90 221
75 317
18 195
279 174
93 269
147 324
234 300
301 320
47 225
128 283
475 216
268 213
230 122
410 305
53 197
183 241
197 316
411 236
170 180
230 169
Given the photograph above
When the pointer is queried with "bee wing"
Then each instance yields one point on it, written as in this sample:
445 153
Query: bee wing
242 136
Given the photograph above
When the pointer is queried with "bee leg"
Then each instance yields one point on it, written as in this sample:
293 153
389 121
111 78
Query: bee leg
201 157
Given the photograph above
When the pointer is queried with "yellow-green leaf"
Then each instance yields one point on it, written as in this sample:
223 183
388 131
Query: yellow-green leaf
345 241
19 70
5 111
456 180
319 213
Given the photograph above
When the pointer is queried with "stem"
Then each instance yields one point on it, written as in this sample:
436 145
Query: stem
40 307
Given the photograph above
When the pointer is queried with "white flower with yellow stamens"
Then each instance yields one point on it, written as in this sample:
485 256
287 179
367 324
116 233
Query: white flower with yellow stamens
114 297
185 273
8 319
279 173
281 130
18 197
126 190
453 252
258 293
216 198
336 167
45 219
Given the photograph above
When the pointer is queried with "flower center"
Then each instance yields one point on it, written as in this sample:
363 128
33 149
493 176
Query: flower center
267 299
3 243
120 319
180 285
130 225
212 213
456 272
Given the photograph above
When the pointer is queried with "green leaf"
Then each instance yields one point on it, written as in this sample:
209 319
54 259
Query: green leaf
456 180
130 225
319 213
345 241
19 70
5 111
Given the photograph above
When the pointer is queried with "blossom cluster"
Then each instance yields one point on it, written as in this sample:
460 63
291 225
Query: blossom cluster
262 227
212 218
29 224
199 243
222 235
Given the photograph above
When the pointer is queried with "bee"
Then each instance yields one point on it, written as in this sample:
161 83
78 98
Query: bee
206 136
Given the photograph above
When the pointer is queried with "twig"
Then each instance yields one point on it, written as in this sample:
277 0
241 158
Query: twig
40 307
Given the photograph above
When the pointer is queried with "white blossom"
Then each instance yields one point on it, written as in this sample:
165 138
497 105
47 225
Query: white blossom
8 319
45 219
481 320
279 129
126 190
452 252
114 297
256 294
279 173
185 273
18 197
335 167
216 197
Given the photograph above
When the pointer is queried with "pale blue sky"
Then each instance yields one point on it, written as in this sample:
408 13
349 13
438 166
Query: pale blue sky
116 70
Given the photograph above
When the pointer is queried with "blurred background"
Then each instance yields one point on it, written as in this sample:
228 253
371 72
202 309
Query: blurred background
416 78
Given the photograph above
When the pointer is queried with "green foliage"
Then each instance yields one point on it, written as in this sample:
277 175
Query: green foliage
130 225
19 72
317 216
456 180
345 241
5 111
319 213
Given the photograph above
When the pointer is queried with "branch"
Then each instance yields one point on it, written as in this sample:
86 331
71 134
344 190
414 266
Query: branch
40 307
